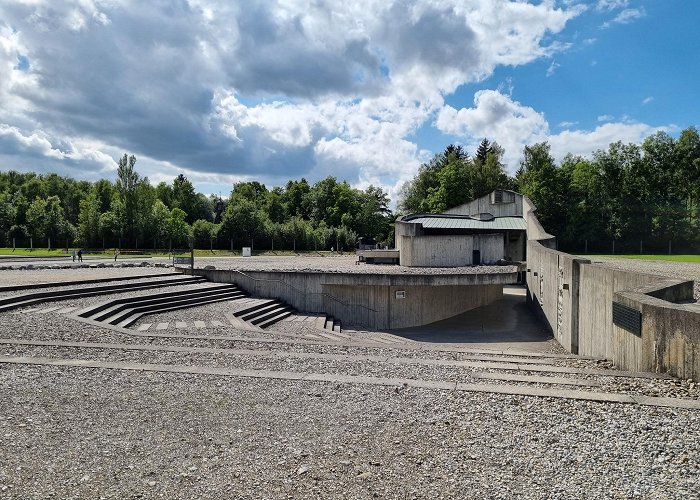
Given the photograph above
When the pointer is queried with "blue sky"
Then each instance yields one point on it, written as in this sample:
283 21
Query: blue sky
224 91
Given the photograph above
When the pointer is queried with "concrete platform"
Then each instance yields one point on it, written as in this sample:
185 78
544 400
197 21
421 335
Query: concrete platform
507 324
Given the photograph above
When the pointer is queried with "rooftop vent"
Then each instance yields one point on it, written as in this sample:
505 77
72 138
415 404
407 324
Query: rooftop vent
500 196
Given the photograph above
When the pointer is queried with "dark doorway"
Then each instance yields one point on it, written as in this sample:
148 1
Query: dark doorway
476 257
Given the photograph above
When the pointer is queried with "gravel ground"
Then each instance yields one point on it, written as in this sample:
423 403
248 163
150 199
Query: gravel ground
80 433
336 264
460 374
681 270
26 277
69 432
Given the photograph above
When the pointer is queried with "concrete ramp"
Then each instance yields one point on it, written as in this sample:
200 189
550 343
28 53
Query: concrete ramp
505 324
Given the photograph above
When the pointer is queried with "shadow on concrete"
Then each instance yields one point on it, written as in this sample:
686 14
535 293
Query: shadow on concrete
506 324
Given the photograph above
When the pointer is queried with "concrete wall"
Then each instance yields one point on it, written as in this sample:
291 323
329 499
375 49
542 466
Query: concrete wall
449 251
369 300
422 304
515 250
574 297
484 205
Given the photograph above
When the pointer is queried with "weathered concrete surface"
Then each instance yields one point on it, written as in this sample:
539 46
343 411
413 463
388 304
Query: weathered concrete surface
371 300
449 251
670 337
505 324
575 299
354 379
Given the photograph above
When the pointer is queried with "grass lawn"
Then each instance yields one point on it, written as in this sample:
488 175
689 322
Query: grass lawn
672 258
109 252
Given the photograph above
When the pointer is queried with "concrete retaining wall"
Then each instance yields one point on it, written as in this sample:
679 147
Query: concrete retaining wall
370 300
574 297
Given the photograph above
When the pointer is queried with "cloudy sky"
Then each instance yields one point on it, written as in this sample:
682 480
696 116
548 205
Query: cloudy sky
228 90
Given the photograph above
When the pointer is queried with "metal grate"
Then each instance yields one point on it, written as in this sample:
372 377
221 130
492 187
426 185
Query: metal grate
627 318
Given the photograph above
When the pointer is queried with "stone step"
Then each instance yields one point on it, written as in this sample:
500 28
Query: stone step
315 377
27 299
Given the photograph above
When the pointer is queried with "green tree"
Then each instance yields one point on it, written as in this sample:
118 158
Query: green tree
160 214
89 220
179 231
127 180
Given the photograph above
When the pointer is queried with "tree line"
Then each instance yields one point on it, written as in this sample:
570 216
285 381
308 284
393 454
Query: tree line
55 211
639 198
629 197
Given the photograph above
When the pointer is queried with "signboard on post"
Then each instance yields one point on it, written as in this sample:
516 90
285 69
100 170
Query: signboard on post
247 252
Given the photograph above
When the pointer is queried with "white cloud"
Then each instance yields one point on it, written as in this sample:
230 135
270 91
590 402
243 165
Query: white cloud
513 125
496 117
585 142
611 4
627 16
647 100
552 68
275 89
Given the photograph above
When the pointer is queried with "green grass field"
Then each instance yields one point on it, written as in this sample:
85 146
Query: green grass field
694 259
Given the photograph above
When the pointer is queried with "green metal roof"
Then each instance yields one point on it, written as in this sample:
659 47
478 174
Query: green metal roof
442 222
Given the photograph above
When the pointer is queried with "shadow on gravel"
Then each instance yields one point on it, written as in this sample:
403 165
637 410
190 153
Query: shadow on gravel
508 321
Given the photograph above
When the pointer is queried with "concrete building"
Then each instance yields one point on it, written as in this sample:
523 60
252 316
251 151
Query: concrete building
483 231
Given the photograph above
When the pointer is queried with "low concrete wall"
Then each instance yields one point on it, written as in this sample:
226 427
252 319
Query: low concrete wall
370 300
420 305
574 297
449 251
670 336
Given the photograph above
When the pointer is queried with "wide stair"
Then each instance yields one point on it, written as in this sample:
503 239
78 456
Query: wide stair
265 313
125 312
31 298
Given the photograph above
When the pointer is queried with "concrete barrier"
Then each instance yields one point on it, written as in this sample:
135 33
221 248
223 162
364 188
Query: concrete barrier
575 299
378 301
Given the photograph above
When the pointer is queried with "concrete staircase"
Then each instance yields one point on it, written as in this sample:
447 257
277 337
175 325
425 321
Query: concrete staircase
31 298
265 313
125 312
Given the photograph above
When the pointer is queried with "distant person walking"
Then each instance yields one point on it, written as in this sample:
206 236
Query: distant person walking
74 255
116 254
80 255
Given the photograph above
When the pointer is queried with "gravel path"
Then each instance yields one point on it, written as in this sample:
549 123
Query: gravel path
26 277
80 433
336 264
70 432
681 270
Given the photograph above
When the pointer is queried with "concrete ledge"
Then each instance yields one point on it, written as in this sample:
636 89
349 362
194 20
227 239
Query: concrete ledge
351 379
506 365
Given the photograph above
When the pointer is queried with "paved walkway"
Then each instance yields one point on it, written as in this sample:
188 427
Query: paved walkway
505 324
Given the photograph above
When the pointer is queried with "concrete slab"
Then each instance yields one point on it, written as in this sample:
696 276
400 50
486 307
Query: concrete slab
240 324
66 310
48 310
217 323
351 379
533 379
144 327
506 324
162 326
301 339
519 390
200 324
180 324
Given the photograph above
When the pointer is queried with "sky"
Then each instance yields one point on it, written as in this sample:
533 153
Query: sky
233 90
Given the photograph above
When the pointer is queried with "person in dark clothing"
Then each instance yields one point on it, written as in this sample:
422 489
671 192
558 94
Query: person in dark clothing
80 255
